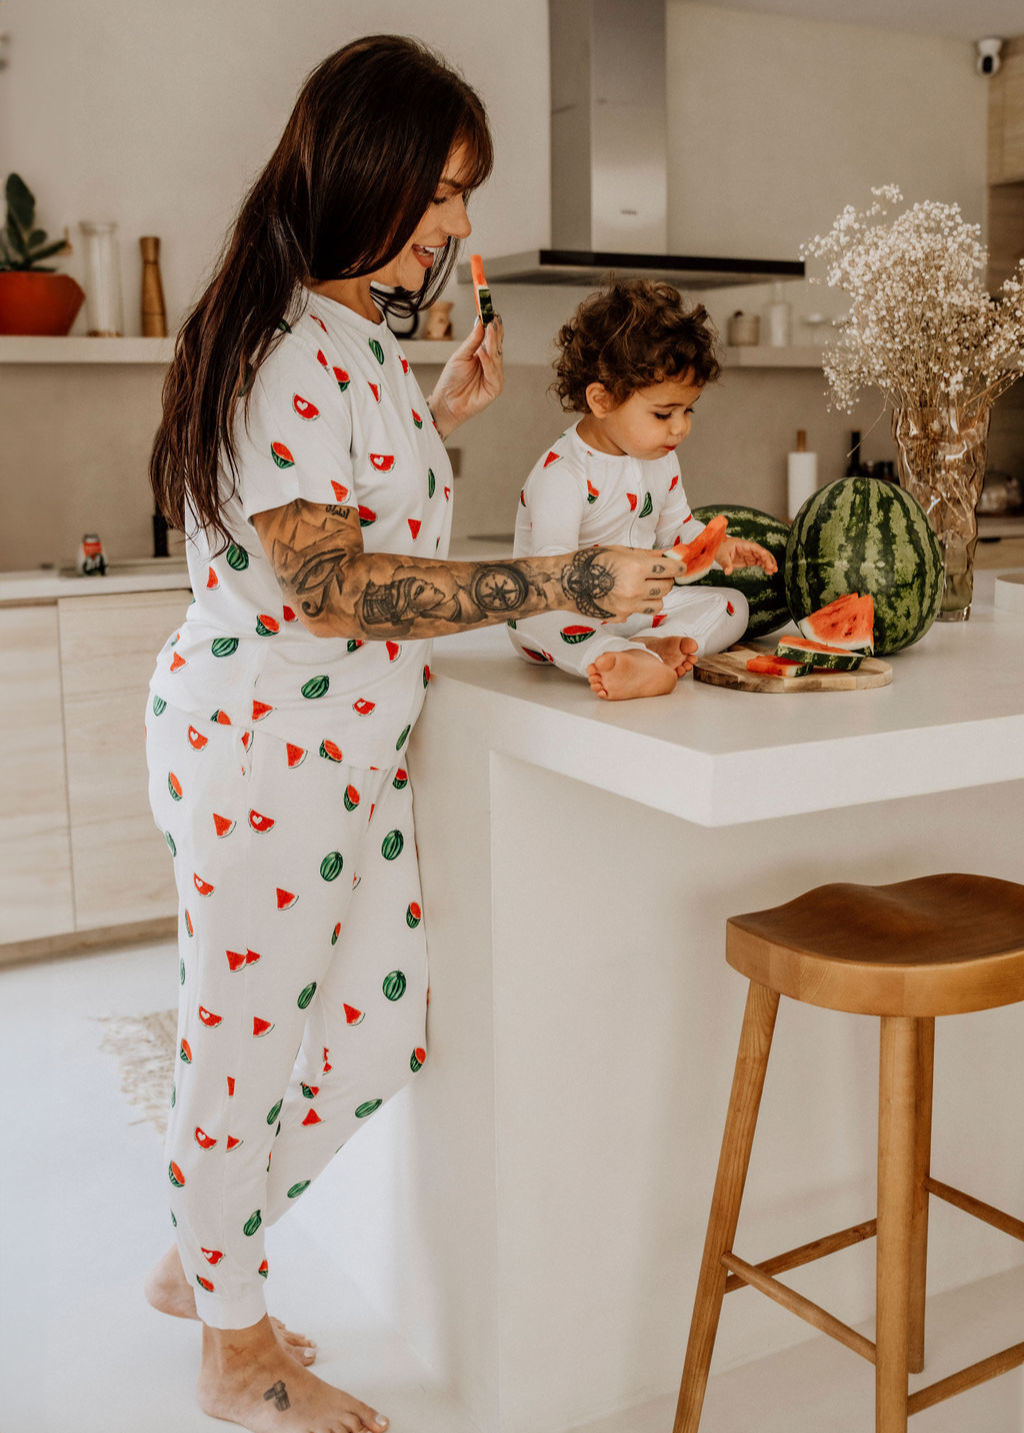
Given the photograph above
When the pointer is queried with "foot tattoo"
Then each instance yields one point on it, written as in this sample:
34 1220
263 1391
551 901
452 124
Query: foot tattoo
279 1394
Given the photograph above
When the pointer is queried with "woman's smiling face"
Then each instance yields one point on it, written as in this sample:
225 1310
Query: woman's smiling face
446 218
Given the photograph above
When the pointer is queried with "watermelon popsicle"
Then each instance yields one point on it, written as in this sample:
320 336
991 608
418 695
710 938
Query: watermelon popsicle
484 307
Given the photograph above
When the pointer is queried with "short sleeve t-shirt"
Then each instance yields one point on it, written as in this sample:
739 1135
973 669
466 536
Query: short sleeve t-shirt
577 497
335 416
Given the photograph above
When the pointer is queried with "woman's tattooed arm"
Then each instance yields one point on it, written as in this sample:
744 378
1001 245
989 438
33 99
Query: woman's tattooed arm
343 591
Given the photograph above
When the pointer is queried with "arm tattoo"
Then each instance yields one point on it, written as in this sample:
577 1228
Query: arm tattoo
585 579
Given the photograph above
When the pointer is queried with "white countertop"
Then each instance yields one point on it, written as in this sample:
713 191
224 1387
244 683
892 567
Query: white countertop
47 585
952 717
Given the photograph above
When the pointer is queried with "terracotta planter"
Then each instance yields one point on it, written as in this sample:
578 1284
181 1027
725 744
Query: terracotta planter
36 303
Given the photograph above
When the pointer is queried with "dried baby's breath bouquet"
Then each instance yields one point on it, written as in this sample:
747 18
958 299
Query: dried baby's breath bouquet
921 326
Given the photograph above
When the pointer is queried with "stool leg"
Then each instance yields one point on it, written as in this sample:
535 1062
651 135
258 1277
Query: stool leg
922 1168
741 1121
897 1086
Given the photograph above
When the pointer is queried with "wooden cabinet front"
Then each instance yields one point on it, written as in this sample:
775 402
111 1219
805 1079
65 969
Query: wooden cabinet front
35 853
122 868
1006 117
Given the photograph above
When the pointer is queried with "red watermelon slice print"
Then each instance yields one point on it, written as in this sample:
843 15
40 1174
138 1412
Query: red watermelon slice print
383 462
552 457
304 408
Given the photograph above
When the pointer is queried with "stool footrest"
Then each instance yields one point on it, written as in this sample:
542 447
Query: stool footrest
969 1377
967 1202
807 1253
797 1304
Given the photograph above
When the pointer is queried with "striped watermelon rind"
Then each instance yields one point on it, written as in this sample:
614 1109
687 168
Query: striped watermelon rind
869 536
802 649
766 595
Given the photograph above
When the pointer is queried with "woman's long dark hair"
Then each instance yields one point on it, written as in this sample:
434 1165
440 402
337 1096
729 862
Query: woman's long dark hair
354 173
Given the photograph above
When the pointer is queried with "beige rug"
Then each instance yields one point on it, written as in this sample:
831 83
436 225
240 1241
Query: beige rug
144 1046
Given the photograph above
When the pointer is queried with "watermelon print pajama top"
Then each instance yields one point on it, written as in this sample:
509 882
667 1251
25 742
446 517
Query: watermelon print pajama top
577 497
276 775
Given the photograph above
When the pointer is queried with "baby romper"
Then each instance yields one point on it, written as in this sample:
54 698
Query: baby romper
277 777
577 497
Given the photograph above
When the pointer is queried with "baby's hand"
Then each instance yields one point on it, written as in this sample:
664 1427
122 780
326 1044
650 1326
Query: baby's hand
737 552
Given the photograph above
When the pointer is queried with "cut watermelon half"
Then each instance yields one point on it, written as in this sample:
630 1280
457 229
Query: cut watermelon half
848 623
699 555
819 654
767 665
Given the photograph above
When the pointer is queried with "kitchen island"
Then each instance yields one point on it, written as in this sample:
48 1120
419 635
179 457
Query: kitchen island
535 1207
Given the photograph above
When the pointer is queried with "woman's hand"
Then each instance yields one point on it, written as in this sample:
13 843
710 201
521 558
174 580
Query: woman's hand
735 552
613 583
472 377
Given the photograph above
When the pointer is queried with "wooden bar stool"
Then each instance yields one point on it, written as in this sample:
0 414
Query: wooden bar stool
940 945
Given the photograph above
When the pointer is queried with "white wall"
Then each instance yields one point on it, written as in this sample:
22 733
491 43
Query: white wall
158 113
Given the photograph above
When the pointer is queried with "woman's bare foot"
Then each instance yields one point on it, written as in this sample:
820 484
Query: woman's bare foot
679 653
246 1377
168 1290
617 676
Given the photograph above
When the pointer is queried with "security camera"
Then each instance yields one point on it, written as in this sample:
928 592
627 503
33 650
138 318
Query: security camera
989 51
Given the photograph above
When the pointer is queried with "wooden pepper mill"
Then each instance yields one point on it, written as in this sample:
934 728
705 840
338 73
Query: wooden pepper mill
154 316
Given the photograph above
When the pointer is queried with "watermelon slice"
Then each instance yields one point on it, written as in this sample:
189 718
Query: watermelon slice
818 654
848 622
699 555
765 665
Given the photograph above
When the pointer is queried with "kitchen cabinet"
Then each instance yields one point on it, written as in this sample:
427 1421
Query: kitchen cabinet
121 868
1006 165
79 852
1006 117
35 852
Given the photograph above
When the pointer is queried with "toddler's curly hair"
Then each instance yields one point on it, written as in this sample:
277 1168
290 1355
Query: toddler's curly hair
629 335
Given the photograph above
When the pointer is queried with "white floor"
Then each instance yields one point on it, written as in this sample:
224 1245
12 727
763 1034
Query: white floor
83 1215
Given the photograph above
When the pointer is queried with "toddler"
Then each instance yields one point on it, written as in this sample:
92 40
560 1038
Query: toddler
633 361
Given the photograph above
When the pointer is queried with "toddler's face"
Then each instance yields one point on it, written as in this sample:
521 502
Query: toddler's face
652 421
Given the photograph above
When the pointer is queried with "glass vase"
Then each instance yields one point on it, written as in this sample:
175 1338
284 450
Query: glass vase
940 455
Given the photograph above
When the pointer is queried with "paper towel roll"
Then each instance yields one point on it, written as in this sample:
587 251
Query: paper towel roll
802 480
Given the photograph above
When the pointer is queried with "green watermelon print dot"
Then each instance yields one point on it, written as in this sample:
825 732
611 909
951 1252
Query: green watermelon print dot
368 1108
284 326
402 739
181 972
173 1220
648 506
298 1189
170 843
391 846
306 995
274 1111
224 646
512 623
316 687
376 350
159 706
308 1092
237 557
253 1222
394 985
431 482
174 1096
331 866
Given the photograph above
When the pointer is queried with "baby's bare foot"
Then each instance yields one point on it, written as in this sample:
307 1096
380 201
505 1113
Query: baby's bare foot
168 1290
618 676
247 1378
679 653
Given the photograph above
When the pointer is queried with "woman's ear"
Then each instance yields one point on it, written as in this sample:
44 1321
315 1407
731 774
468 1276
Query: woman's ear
599 400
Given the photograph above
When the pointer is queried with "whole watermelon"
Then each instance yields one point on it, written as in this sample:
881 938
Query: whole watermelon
766 596
868 536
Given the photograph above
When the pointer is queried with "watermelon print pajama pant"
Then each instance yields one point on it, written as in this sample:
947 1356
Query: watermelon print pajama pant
303 981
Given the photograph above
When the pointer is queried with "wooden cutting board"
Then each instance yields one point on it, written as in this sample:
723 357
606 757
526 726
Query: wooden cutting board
729 669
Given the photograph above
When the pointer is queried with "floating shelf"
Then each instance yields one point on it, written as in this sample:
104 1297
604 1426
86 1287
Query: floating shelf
762 356
16 349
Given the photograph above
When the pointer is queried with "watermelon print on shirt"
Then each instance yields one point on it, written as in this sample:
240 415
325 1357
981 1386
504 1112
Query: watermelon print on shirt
332 420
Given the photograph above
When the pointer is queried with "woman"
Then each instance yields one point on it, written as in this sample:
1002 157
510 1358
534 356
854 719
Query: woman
299 454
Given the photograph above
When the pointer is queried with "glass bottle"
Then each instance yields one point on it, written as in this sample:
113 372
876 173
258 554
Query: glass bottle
103 308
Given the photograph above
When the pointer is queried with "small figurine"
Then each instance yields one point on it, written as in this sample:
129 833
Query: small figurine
439 320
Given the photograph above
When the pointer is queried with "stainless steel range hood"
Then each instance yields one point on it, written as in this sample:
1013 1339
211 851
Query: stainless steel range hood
609 169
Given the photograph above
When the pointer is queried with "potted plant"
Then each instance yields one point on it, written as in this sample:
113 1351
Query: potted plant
33 298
